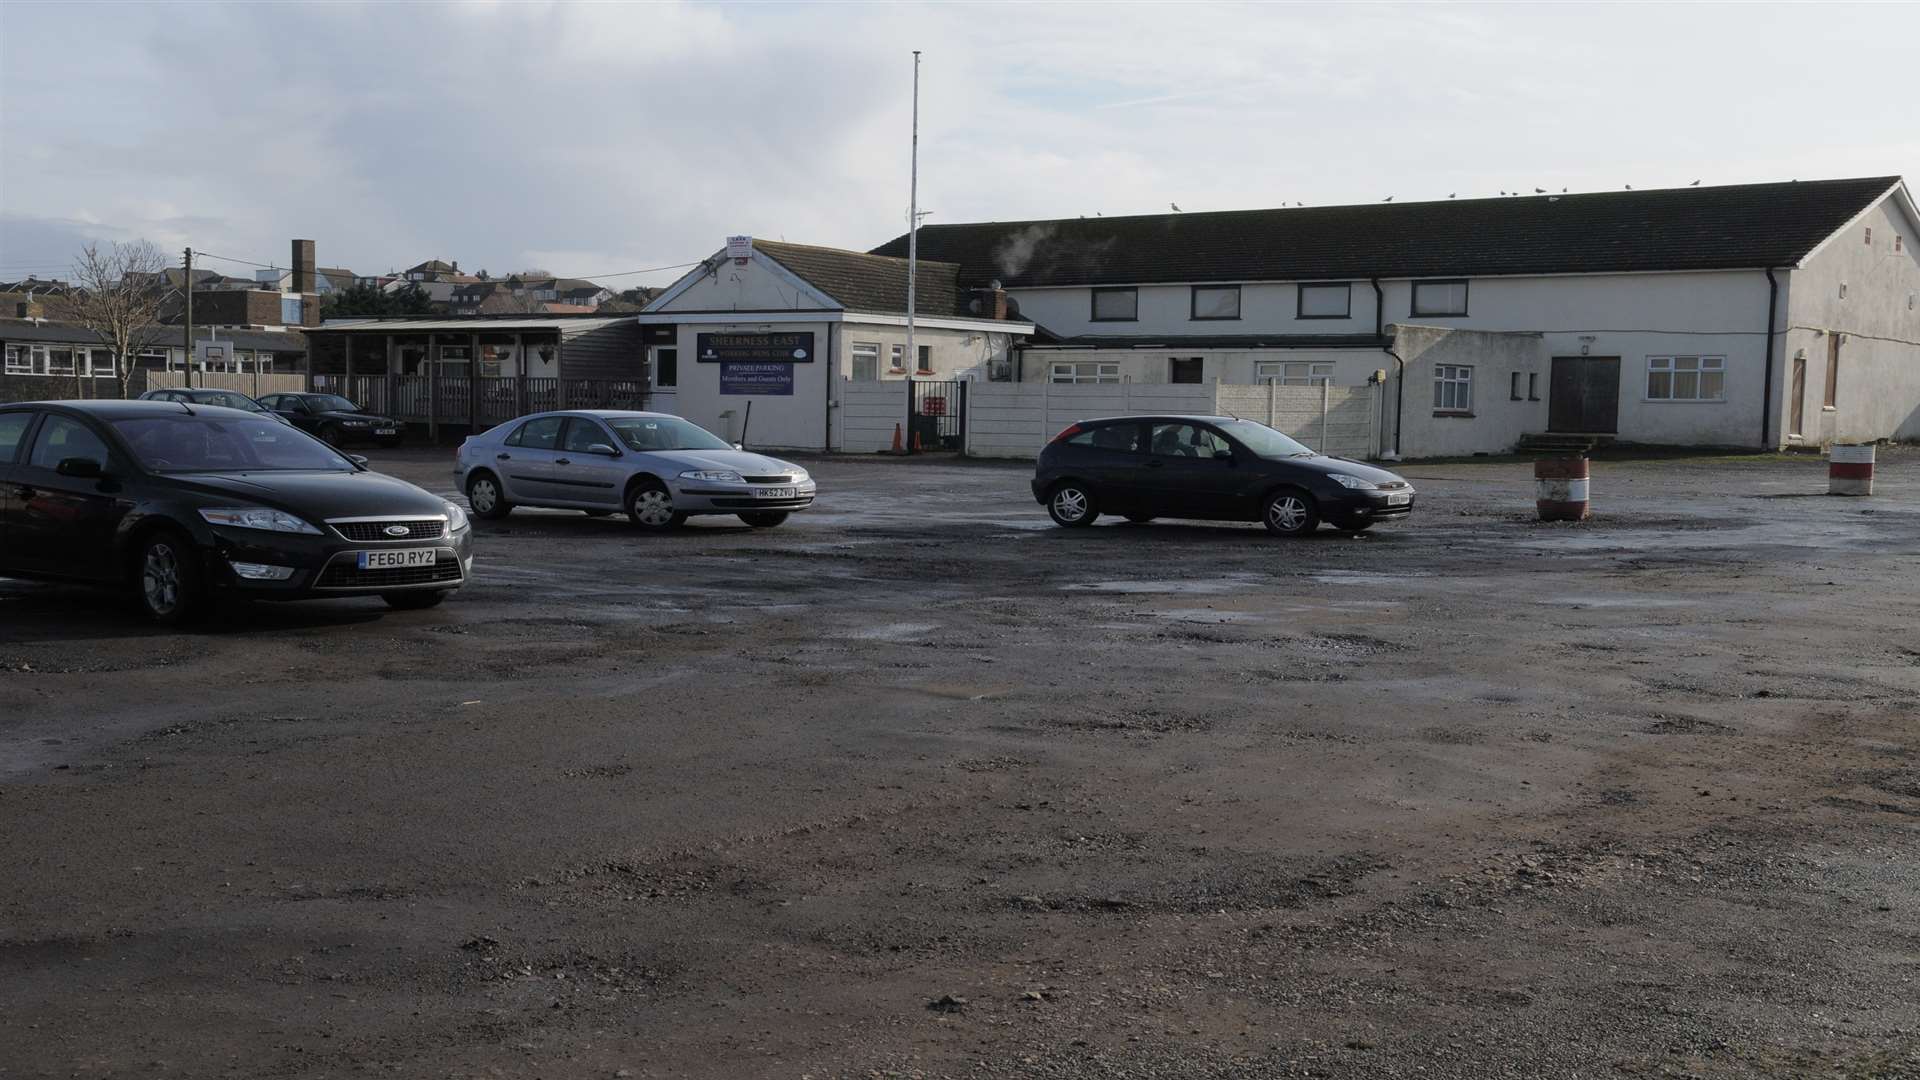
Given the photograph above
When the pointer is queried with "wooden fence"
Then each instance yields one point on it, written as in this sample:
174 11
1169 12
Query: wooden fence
478 402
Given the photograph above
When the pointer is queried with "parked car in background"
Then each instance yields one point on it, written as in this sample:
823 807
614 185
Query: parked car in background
335 420
658 468
178 505
202 395
1217 468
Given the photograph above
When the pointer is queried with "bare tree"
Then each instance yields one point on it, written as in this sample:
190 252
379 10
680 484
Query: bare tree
118 296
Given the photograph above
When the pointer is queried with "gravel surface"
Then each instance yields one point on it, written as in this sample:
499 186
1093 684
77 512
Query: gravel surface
918 785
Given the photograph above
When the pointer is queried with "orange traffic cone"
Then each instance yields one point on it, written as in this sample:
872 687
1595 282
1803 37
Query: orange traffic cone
897 448
916 443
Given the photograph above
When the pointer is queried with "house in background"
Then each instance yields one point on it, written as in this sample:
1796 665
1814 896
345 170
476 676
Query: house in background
517 294
788 327
1750 315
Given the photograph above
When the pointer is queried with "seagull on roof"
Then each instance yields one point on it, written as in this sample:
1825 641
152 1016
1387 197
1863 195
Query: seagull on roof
1696 183
1387 199
1451 194
1539 191
1176 207
1503 192
1629 187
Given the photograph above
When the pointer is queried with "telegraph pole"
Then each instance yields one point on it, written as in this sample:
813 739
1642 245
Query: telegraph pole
187 285
913 220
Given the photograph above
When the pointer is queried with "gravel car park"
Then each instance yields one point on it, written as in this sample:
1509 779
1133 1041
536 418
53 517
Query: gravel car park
923 785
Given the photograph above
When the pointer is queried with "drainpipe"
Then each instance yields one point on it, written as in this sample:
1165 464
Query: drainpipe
1766 392
1400 382
1399 397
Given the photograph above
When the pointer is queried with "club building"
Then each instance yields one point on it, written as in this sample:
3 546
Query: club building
1755 315
797 331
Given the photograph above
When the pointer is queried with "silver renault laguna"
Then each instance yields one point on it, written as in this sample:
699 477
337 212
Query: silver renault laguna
657 467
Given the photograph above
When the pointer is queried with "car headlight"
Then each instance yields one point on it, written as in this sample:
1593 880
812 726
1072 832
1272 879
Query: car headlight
1353 482
717 476
257 517
456 518
800 476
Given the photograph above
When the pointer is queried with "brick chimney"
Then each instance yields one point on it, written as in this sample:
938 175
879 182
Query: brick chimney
303 267
990 302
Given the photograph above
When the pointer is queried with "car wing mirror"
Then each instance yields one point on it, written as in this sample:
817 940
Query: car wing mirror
1223 455
603 449
358 459
80 468
739 446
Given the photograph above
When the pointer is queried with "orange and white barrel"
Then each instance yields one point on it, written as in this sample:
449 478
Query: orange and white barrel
1560 488
1850 469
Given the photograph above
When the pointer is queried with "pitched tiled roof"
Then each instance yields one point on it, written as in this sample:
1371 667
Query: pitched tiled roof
289 340
1710 228
873 284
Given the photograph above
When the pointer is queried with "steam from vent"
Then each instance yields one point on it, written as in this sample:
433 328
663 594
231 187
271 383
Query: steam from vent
1015 253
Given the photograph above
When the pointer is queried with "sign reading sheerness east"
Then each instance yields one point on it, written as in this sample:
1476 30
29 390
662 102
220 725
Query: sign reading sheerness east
765 348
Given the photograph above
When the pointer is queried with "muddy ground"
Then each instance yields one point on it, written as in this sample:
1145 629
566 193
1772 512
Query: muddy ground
919 785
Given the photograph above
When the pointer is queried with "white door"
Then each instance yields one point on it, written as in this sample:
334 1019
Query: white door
664 362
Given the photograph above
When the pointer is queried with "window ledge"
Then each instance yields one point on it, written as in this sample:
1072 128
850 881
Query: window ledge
1451 414
1682 401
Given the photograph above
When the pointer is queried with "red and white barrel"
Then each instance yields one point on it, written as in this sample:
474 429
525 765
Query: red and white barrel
1560 488
1850 469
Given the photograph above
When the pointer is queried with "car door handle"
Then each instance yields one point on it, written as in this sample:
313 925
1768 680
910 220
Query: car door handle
503 457
1156 464
562 461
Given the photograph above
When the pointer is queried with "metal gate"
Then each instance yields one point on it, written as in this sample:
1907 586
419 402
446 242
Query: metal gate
936 415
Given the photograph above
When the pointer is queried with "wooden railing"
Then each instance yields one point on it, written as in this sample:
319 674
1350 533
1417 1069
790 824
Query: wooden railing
478 402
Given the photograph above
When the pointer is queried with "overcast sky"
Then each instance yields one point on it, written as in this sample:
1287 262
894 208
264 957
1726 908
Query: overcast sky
592 138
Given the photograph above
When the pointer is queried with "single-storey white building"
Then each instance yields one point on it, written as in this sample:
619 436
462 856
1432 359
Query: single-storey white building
795 331
1759 315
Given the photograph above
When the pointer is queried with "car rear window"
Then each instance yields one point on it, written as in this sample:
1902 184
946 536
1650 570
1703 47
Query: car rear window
1122 437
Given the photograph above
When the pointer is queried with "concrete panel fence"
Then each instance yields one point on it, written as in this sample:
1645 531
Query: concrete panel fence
868 414
1014 420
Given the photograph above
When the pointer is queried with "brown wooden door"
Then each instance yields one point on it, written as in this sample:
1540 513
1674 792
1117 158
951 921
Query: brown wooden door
1583 396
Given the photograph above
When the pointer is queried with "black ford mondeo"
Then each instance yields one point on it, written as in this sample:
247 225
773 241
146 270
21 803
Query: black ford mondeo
177 502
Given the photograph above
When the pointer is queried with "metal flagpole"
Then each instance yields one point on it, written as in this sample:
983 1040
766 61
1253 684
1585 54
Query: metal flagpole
913 219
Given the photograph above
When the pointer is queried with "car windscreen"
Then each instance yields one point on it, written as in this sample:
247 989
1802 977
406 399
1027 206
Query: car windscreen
330 403
665 433
1263 441
186 444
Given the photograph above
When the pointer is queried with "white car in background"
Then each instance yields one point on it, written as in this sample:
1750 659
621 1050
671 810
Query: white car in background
659 468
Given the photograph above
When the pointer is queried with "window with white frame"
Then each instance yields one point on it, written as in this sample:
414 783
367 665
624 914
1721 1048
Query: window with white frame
1293 372
19 360
1452 388
866 361
1325 301
1439 298
1686 378
100 363
897 358
60 360
1086 371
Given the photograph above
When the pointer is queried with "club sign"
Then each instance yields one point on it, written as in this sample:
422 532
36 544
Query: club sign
758 348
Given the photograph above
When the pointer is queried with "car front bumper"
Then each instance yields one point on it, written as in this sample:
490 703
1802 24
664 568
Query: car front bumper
1348 507
328 565
707 497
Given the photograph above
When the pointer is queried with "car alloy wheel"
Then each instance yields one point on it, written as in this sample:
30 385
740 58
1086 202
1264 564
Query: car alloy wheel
160 578
1071 506
1290 513
483 496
